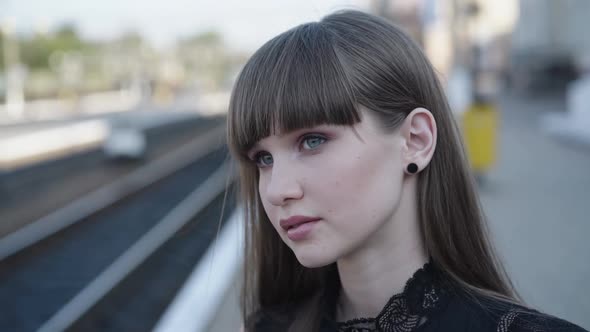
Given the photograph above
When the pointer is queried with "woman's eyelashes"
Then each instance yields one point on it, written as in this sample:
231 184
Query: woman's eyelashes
263 159
313 141
308 142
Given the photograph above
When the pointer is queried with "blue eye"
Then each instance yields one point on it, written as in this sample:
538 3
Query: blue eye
263 159
313 141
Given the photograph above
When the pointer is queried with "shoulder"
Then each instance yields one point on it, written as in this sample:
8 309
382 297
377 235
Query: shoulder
494 315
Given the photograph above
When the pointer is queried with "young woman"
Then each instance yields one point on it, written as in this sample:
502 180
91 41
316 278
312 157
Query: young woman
361 212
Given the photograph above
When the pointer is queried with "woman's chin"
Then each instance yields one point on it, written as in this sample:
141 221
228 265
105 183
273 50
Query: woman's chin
314 261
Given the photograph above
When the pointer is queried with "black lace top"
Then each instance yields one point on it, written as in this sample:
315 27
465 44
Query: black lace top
431 303
423 296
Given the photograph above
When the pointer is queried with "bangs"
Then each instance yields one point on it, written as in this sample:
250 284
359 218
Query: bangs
294 81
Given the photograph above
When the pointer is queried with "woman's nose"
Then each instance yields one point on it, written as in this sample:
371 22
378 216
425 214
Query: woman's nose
283 185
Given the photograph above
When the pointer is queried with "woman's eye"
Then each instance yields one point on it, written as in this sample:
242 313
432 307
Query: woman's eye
313 141
263 159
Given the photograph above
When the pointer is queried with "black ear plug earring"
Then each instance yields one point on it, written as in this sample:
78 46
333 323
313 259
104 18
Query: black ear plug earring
412 168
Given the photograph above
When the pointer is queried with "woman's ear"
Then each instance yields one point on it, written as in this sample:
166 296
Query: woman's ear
420 134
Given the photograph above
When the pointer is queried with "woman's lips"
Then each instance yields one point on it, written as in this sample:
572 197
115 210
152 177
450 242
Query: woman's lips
295 221
301 231
298 227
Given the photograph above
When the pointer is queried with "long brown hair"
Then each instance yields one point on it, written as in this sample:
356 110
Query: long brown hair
319 73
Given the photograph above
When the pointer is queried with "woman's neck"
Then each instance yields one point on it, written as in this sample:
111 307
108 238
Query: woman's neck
371 275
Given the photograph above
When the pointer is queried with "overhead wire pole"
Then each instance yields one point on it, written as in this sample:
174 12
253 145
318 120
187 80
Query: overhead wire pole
458 28
12 70
381 8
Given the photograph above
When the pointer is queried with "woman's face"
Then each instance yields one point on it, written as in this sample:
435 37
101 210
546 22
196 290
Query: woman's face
346 178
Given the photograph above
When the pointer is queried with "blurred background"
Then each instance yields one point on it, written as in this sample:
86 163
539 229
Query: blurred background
117 210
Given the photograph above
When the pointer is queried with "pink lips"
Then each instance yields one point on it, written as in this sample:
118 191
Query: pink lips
298 227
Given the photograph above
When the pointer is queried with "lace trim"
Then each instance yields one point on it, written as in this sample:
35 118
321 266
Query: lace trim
507 320
531 321
404 312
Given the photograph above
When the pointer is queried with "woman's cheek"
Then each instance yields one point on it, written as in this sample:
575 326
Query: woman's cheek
268 207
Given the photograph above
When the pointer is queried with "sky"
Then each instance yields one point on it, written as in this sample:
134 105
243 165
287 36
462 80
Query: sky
245 24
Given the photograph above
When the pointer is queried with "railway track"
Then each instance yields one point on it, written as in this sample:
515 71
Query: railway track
113 259
50 185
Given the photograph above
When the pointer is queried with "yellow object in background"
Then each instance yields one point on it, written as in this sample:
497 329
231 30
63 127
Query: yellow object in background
480 124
